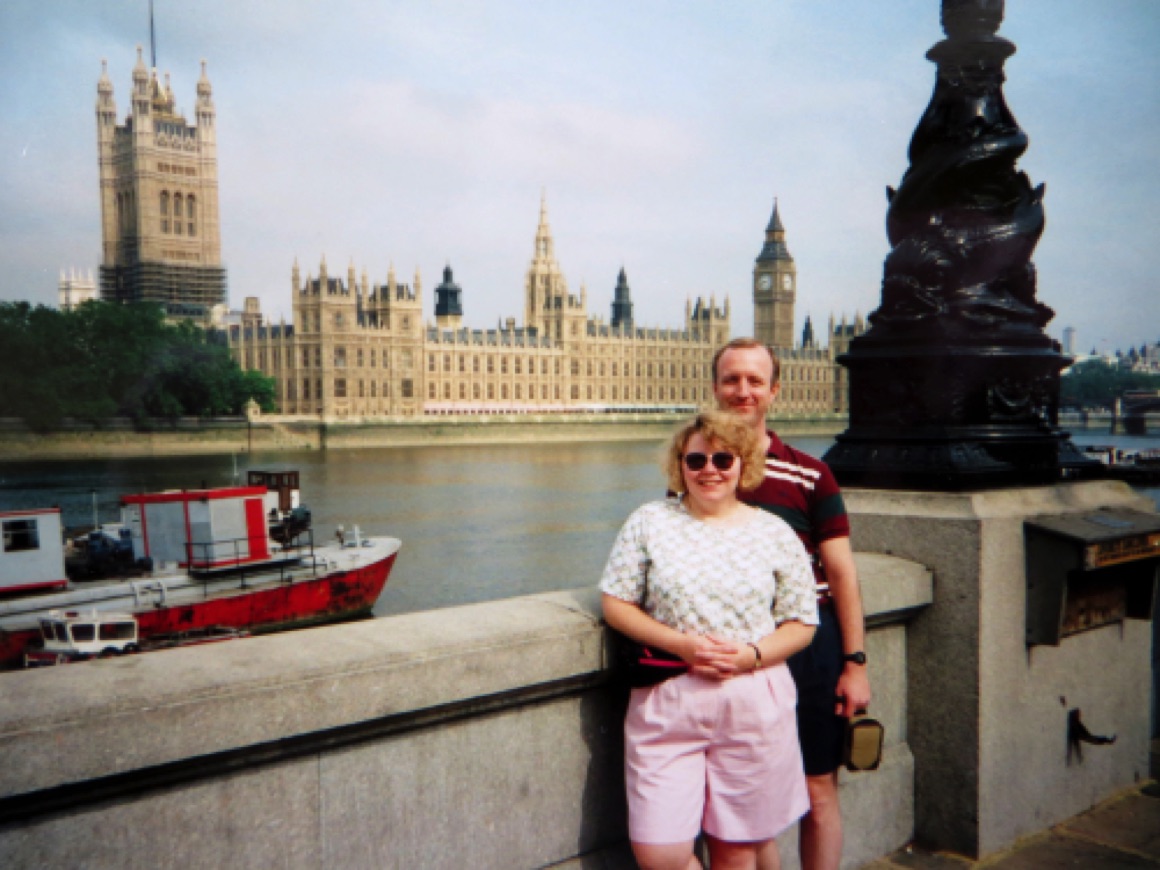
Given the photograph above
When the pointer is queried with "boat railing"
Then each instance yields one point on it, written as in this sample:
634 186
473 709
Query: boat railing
232 557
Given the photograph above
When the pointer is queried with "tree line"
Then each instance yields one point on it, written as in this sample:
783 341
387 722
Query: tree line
105 359
1097 384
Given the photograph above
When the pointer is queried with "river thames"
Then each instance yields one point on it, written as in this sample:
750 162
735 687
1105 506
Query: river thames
477 523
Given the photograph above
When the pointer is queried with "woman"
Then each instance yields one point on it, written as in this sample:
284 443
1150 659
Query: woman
714 749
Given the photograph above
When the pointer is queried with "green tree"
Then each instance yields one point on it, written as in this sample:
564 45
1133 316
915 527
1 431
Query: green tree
104 359
1097 384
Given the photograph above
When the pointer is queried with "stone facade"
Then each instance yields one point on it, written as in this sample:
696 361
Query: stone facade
361 350
75 289
159 198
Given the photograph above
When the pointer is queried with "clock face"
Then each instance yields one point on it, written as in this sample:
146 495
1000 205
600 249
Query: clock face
765 282
787 282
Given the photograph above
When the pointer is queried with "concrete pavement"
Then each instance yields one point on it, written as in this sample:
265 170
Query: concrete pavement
1122 833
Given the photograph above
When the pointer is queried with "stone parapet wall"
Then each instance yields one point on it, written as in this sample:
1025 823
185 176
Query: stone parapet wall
481 736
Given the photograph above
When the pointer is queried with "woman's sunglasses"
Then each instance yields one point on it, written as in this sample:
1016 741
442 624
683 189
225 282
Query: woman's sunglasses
721 461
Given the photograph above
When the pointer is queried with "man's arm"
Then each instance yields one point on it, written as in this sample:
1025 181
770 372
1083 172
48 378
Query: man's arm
838 563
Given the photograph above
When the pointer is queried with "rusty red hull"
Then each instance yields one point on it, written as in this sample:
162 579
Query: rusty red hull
314 601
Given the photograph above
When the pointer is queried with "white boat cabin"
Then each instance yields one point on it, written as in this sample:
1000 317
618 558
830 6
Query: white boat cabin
31 551
205 528
80 633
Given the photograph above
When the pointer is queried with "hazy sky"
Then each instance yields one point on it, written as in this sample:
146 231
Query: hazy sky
422 133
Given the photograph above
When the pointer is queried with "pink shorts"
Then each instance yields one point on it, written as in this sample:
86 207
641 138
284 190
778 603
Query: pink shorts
722 757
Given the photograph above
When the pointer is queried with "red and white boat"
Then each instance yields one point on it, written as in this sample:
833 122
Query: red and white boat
201 558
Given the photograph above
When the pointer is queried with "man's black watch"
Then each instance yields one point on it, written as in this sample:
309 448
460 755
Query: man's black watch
858 658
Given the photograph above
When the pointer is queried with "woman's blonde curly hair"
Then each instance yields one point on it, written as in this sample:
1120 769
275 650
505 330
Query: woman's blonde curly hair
726 431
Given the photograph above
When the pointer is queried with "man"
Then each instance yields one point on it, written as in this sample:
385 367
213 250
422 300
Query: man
831 672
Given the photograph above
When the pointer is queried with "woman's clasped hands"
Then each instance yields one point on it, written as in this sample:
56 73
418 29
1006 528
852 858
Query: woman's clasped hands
717 659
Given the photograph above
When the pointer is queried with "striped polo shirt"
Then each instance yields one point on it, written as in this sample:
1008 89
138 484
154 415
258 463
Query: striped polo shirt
802 491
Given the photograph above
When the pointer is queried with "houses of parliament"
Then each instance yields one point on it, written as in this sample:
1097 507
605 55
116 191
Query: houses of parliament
357 349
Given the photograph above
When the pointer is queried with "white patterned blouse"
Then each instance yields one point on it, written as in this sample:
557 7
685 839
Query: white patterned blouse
712 579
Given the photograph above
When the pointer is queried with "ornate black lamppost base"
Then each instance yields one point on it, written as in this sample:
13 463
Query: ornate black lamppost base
958 459
955 415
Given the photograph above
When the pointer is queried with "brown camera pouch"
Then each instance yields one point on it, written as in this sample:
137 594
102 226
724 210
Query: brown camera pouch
863 748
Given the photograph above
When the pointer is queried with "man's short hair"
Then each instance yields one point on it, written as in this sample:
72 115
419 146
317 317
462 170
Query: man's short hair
745 344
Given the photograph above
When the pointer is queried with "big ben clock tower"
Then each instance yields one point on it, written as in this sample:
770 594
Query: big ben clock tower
774 288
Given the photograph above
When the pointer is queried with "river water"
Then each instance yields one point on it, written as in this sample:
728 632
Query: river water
477 523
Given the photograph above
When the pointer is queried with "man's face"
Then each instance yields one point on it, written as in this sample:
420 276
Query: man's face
744 384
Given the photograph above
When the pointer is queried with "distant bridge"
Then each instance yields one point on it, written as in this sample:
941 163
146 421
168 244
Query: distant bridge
1132 410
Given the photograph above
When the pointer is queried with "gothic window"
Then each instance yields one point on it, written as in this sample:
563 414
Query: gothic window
340 357
575 391
408 387
462 390
305 357
503 366
360 357
447 391
519 392
638 373
638 394
406 323
374 389
430 362
544 368
648 394
575 368
650 372
372 357
557 369
544 392
446 362
503 391
475 365
589 368
164 212
306 388
672 370
431 390
516 364
361 389
475 391
318 387
386 389
490 365
614 370
178 210
191 214
318 357
340 388
556 390
602 393
614 394
462 363
491 391
601 368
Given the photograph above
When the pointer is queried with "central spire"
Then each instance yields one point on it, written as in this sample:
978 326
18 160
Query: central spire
545 248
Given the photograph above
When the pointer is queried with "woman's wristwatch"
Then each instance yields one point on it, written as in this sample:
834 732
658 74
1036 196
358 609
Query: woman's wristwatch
756 656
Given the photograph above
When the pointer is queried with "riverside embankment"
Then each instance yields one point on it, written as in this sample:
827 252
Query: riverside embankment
192 436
